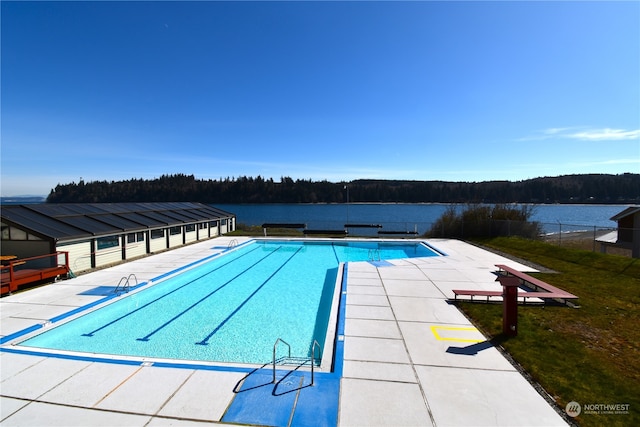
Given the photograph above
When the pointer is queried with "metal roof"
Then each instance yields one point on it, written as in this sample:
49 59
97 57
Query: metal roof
67 221
629 211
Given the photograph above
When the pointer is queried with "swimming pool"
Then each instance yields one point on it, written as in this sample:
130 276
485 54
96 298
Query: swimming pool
231 309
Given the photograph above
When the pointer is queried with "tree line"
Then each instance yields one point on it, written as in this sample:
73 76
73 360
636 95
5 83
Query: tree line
584 188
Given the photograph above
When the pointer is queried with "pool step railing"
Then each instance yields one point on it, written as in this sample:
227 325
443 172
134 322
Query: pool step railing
374 255
299 361
232 244
125 283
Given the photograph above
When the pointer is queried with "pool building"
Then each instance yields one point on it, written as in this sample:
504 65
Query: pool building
95 235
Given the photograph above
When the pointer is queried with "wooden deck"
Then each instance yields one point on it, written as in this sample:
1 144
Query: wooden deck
25 271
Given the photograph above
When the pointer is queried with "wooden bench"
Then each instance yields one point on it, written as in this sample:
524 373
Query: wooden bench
524 295
476 292
327 232
283 225
541 289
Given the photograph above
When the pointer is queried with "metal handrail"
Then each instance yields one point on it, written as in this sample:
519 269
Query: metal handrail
373 254
126 286
312 359
232 244
279 340
313 355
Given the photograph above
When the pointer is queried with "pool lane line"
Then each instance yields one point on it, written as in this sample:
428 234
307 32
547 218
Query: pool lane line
90 334
233 313
174 318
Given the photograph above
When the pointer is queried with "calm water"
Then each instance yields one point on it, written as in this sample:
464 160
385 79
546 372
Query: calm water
230 309
410 217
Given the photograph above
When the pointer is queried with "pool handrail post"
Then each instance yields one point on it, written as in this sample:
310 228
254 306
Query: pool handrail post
313 357
275 346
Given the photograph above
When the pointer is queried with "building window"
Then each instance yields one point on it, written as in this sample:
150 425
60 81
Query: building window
223 221
135 237
202 226
13 233
189 228
107 242
5 231
175 230
213 224
157 234
17 234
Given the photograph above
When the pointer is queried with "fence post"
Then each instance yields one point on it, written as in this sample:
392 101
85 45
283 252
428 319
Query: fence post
559 233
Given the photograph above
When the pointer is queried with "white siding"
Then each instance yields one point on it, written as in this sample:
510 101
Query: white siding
175 239
227 225
190 237
109 255
158 244
135 244
136 249
202 231
79 255
214 228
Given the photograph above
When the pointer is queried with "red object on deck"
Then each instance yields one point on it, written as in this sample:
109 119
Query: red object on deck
19 272
510 286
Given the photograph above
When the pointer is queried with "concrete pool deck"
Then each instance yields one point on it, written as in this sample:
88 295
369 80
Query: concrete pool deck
409 357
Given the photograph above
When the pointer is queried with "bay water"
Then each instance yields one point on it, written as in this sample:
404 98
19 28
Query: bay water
413 217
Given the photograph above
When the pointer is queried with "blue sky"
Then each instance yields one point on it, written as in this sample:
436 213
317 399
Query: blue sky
455 91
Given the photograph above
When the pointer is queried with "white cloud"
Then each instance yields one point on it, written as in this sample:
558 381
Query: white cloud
584 134
556 131
606 134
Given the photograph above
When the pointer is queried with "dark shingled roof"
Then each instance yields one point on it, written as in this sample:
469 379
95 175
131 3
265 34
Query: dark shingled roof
66 221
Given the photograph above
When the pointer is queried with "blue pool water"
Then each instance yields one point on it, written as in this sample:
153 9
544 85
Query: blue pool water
230 309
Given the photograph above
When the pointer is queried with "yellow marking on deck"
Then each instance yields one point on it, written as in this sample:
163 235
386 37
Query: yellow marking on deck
435 328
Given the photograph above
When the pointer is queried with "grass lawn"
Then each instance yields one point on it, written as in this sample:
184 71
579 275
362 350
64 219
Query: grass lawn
590 355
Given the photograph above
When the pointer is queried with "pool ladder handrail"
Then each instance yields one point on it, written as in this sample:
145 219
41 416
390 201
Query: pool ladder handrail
273 360
374 255
232 244
124 284
312 358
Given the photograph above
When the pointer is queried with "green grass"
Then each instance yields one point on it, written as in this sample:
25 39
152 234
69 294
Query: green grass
590 355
